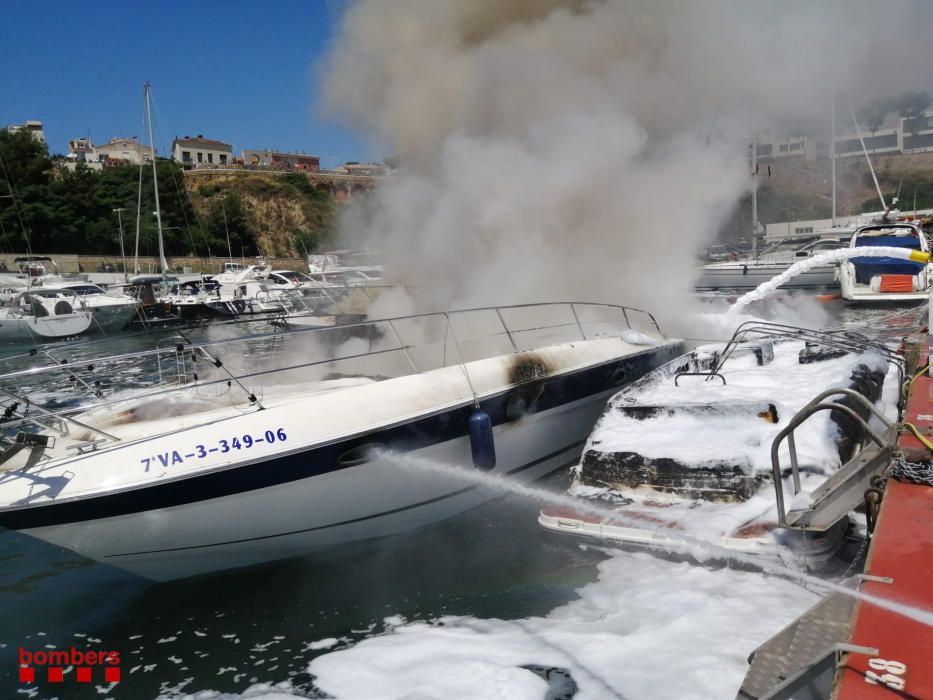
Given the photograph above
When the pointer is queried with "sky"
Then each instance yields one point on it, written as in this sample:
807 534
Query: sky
238 71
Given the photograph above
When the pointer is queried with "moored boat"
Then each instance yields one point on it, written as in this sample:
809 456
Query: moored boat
42 313
693 452
748 273
110 311
233 465
882 280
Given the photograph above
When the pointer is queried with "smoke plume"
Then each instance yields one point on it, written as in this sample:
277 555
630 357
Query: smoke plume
585 150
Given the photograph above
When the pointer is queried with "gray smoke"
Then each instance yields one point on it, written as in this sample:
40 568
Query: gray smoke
586 150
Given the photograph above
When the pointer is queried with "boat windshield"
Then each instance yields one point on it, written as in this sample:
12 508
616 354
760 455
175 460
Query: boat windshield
85 289
897 239
828 244
788 245
291 276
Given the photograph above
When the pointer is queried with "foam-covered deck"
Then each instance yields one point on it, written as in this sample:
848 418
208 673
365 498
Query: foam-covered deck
726 423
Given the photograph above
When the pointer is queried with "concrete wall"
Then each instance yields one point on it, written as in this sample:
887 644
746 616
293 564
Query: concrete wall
93 263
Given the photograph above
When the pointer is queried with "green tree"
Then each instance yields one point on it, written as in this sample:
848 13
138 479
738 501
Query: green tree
25 171
25 161
305 242
299 182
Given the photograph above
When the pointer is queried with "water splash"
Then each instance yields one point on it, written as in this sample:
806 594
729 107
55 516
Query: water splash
832 256
698 548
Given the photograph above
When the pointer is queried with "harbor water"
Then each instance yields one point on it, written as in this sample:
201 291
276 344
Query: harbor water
483 604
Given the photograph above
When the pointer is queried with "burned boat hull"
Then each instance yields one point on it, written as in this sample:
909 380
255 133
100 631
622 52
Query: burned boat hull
717 479
671 474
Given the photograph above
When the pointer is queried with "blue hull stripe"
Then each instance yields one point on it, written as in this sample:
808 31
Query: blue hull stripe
452 494
541 395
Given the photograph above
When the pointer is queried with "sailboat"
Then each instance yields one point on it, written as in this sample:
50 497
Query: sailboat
748 273
164 297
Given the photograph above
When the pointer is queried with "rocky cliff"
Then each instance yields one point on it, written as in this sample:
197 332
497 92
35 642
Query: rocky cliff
285 214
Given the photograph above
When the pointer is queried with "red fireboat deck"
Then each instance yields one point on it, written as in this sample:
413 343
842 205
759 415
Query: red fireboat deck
902 552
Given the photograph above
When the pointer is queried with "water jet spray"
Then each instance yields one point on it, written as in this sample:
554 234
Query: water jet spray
697 547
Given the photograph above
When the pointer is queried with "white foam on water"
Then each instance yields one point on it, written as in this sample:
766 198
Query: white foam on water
648 627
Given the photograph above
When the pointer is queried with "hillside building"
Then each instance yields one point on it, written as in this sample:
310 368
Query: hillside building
33 126
276 160
199 152
116 151
906 135
124 150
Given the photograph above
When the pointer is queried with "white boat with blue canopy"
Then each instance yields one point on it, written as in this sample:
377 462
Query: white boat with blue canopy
273 445
881 280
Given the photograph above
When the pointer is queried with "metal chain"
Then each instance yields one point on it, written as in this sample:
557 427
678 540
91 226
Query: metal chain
911 472
858 559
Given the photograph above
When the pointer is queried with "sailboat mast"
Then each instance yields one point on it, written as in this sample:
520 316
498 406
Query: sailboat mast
755 196
155 182
139 210
858 132
224 210
832 148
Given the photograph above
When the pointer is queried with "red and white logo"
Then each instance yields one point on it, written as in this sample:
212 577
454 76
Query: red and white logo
50 665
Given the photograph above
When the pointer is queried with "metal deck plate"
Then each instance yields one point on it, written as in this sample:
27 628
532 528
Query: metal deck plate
797 645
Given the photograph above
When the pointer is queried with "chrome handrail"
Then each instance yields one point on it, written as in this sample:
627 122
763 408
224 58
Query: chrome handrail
839 338
37 371
803 414
177 353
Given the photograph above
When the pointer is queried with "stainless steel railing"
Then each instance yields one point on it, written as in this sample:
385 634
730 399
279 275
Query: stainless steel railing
178 355
814 406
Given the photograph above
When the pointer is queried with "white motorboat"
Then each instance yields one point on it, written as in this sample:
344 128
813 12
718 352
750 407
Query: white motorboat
33 271
692 452
246 464
237 273
286 290
360 266
258 298
748 273
41 314
880 280
111 311
197 299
